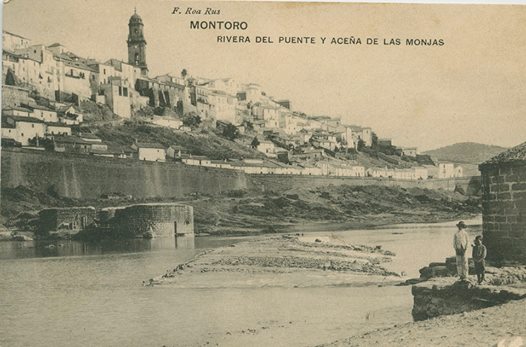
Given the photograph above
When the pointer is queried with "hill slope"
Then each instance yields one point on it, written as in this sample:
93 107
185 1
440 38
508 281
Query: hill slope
466 152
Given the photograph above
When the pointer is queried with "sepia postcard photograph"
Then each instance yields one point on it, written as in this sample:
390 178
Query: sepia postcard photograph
253 173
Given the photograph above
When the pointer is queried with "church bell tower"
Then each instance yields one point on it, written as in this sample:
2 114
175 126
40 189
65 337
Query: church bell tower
137 43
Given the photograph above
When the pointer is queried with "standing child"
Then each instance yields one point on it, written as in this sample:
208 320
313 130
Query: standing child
479 254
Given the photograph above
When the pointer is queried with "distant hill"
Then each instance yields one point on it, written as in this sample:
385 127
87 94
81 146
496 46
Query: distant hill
466 152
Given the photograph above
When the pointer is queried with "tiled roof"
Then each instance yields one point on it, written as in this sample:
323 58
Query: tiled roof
24 119
56 124
516 154
64 108
37 107
70 139
89 136
149 145
18 108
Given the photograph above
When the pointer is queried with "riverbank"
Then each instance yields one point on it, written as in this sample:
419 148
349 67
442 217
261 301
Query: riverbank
486 327
449 312
328 208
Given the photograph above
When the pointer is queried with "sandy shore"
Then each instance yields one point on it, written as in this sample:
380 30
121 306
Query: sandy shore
283 261
485 327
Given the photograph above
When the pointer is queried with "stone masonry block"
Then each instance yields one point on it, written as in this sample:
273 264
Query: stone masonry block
518 186
518 195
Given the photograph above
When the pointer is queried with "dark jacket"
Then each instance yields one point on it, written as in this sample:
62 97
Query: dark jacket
479 253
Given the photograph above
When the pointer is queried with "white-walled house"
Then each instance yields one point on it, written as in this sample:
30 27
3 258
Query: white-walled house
57 129
420 173
70 115
459 171
43 113
362 133
268 148
346 171
17 111
348 138
150 151
197 161
22 129
449 170
168 122
117 96
409 151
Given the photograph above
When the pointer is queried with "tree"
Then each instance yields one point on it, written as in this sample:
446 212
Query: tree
231 132
248 125
361 145
10 79
42 142
192 120
180 107
255 143
184 73
374 141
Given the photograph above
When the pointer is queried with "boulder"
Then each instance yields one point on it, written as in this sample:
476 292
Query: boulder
440 271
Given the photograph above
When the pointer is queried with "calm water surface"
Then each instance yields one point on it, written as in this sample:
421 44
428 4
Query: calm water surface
92 295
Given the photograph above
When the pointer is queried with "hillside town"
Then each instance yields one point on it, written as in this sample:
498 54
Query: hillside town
54 100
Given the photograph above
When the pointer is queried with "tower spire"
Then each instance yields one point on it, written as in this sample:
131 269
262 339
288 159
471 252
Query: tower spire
137 43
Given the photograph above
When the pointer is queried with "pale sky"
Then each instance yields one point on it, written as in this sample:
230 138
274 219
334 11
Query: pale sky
470 89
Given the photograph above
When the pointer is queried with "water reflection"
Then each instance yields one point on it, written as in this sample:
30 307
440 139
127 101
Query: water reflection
185 242
63 248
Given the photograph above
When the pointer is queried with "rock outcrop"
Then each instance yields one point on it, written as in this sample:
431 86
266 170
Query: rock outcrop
446 296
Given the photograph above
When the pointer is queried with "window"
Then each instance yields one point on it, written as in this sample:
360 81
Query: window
32 125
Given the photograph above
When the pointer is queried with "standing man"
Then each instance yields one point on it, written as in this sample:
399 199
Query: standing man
479 254
460 243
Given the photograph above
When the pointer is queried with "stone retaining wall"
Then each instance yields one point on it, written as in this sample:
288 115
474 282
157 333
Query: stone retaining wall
504 211
88 177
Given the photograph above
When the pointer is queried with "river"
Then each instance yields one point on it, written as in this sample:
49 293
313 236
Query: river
92 295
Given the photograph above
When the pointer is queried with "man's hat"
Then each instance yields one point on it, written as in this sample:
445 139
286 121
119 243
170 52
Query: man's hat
461 225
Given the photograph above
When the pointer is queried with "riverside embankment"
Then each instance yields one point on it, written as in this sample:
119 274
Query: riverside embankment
88 177
241 212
